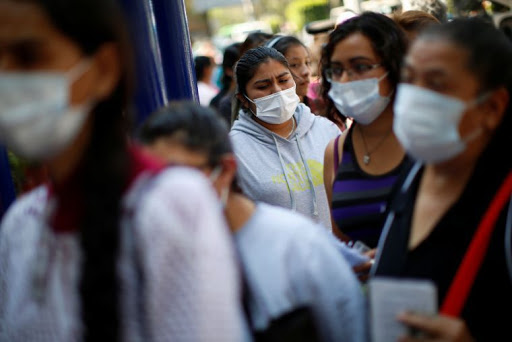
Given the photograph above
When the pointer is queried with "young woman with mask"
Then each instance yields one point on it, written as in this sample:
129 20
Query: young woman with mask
272 242
360 72
278 142
104 251
454 115
299 62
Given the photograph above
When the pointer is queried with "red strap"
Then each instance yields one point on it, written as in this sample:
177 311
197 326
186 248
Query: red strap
466 274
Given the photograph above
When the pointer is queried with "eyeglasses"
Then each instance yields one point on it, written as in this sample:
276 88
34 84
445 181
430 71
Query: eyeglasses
358 70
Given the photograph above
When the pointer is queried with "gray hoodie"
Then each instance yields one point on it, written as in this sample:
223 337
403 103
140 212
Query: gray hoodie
285 172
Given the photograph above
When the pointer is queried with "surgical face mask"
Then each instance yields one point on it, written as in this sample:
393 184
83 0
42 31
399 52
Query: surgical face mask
278 107
360 99
36 118
427 123
224 192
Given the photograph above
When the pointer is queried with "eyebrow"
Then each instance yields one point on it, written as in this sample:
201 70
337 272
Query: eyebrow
268 79
430 72
352 60
23 42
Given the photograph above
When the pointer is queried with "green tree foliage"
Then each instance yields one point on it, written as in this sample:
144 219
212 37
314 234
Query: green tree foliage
301 12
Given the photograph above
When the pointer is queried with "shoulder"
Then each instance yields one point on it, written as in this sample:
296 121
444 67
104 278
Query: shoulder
175 195
331 146
27 209
325 123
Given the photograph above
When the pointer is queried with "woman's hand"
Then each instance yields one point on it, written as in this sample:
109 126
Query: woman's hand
363 270
436 328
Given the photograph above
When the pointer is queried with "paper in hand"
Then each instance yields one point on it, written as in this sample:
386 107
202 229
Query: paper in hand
392 296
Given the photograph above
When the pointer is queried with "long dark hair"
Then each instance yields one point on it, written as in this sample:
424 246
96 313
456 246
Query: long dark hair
388 42
90 24
489 56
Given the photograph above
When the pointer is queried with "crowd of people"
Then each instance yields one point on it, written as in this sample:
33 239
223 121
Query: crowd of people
266 211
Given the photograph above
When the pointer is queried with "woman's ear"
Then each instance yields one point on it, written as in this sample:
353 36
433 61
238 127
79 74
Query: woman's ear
496 106
227 175
242 100
228 169
108 69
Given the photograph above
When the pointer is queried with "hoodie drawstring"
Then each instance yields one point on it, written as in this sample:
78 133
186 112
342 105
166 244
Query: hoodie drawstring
310 178
292 196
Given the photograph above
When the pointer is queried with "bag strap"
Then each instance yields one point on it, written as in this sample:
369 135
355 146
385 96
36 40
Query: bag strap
336 154
466 274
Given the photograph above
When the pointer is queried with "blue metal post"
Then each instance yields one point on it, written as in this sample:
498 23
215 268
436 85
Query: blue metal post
7 193
164 61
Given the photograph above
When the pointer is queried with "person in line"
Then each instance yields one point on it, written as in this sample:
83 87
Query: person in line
230 57
299 60
361 67
204 66
288 261
278 142
252 41
111 248
454 116
413 22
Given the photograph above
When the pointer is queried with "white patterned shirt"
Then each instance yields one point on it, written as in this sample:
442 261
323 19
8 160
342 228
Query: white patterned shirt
190 290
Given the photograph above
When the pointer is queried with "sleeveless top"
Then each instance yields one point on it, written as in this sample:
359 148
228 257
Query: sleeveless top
359 200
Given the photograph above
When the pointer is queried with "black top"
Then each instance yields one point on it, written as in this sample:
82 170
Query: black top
438 257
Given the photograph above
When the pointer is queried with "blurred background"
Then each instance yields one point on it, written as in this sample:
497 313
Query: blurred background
214 24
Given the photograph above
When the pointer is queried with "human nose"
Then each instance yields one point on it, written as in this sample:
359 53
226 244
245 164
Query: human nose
346 76
306 71
276 87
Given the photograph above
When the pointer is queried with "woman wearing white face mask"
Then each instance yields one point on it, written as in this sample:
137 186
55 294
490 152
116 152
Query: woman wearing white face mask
451 220
360 72
109 249
278 142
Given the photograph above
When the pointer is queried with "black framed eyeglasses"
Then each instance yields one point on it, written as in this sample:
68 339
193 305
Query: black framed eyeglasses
359 69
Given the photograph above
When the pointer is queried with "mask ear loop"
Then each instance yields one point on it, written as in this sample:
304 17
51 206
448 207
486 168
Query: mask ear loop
471 104
79 69
383 77
215 173
224 192
249 108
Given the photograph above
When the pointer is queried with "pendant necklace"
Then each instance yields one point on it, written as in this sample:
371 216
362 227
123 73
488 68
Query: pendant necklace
367 154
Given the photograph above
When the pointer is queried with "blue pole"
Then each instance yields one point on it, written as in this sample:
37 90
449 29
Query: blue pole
164 62
7 193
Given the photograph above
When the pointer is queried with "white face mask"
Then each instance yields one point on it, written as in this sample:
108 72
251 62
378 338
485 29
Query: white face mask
36 119
359 100
278 107
427 123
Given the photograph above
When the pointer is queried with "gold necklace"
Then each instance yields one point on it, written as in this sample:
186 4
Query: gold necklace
367 154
